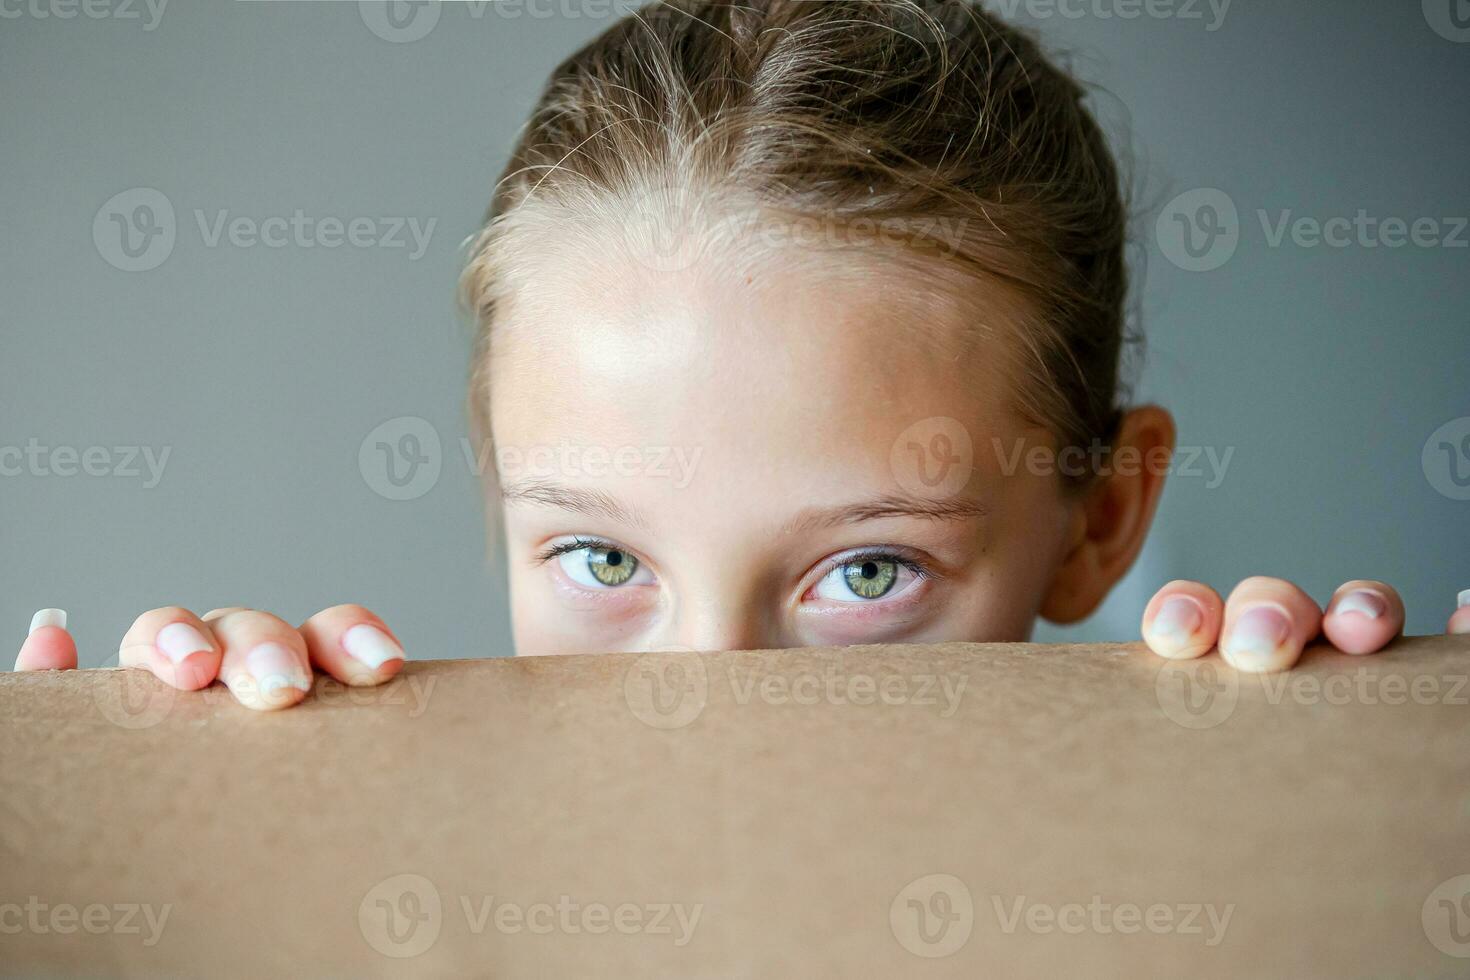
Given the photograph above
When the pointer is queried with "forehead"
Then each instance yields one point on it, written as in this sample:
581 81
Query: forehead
736 354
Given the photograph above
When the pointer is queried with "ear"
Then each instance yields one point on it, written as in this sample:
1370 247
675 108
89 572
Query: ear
1111 518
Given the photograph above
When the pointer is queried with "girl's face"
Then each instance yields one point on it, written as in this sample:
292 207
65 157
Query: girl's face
723 458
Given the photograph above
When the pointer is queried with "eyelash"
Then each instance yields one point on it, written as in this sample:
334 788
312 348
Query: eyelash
577 544
919 569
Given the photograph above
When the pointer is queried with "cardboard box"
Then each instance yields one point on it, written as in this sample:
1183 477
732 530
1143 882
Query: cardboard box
949 811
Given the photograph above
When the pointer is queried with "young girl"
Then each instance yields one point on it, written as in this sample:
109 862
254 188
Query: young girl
859 266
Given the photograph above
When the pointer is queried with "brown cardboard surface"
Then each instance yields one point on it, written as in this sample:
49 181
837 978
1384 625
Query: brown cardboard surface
1059 814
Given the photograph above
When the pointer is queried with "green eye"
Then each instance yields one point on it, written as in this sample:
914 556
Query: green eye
870 579
610 566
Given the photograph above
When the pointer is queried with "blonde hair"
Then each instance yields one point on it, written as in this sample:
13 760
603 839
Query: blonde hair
862 113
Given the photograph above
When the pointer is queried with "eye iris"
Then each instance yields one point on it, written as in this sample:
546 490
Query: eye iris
610 566
871 579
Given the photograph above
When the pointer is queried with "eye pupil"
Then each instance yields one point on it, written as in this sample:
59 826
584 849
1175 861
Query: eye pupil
610 566
870 579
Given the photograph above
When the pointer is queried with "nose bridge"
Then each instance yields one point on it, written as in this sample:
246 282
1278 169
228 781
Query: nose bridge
724 616
720 628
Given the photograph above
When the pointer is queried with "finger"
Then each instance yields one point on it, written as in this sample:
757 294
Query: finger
175 645
1363 616
353 645
48 646
1182 620
1267 623
1460 619
265 663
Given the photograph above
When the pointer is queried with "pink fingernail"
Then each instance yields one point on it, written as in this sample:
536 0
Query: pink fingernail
1259 632
371 646
1363 602
178 640
274 667
1178 619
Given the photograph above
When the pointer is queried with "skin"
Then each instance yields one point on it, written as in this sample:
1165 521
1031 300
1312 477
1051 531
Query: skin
792 379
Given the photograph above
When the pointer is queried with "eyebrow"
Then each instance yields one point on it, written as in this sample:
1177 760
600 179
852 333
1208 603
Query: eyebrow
955 509
595 503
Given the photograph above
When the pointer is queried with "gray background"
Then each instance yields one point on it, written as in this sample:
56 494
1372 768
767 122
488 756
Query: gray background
263 369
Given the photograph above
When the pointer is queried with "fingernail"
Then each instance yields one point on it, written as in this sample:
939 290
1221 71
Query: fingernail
274 667
1179 618
371 646
1260 631
1362 601
57 617
178 640
1460 623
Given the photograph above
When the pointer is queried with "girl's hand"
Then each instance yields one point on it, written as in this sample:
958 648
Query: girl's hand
265 662
1266 622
